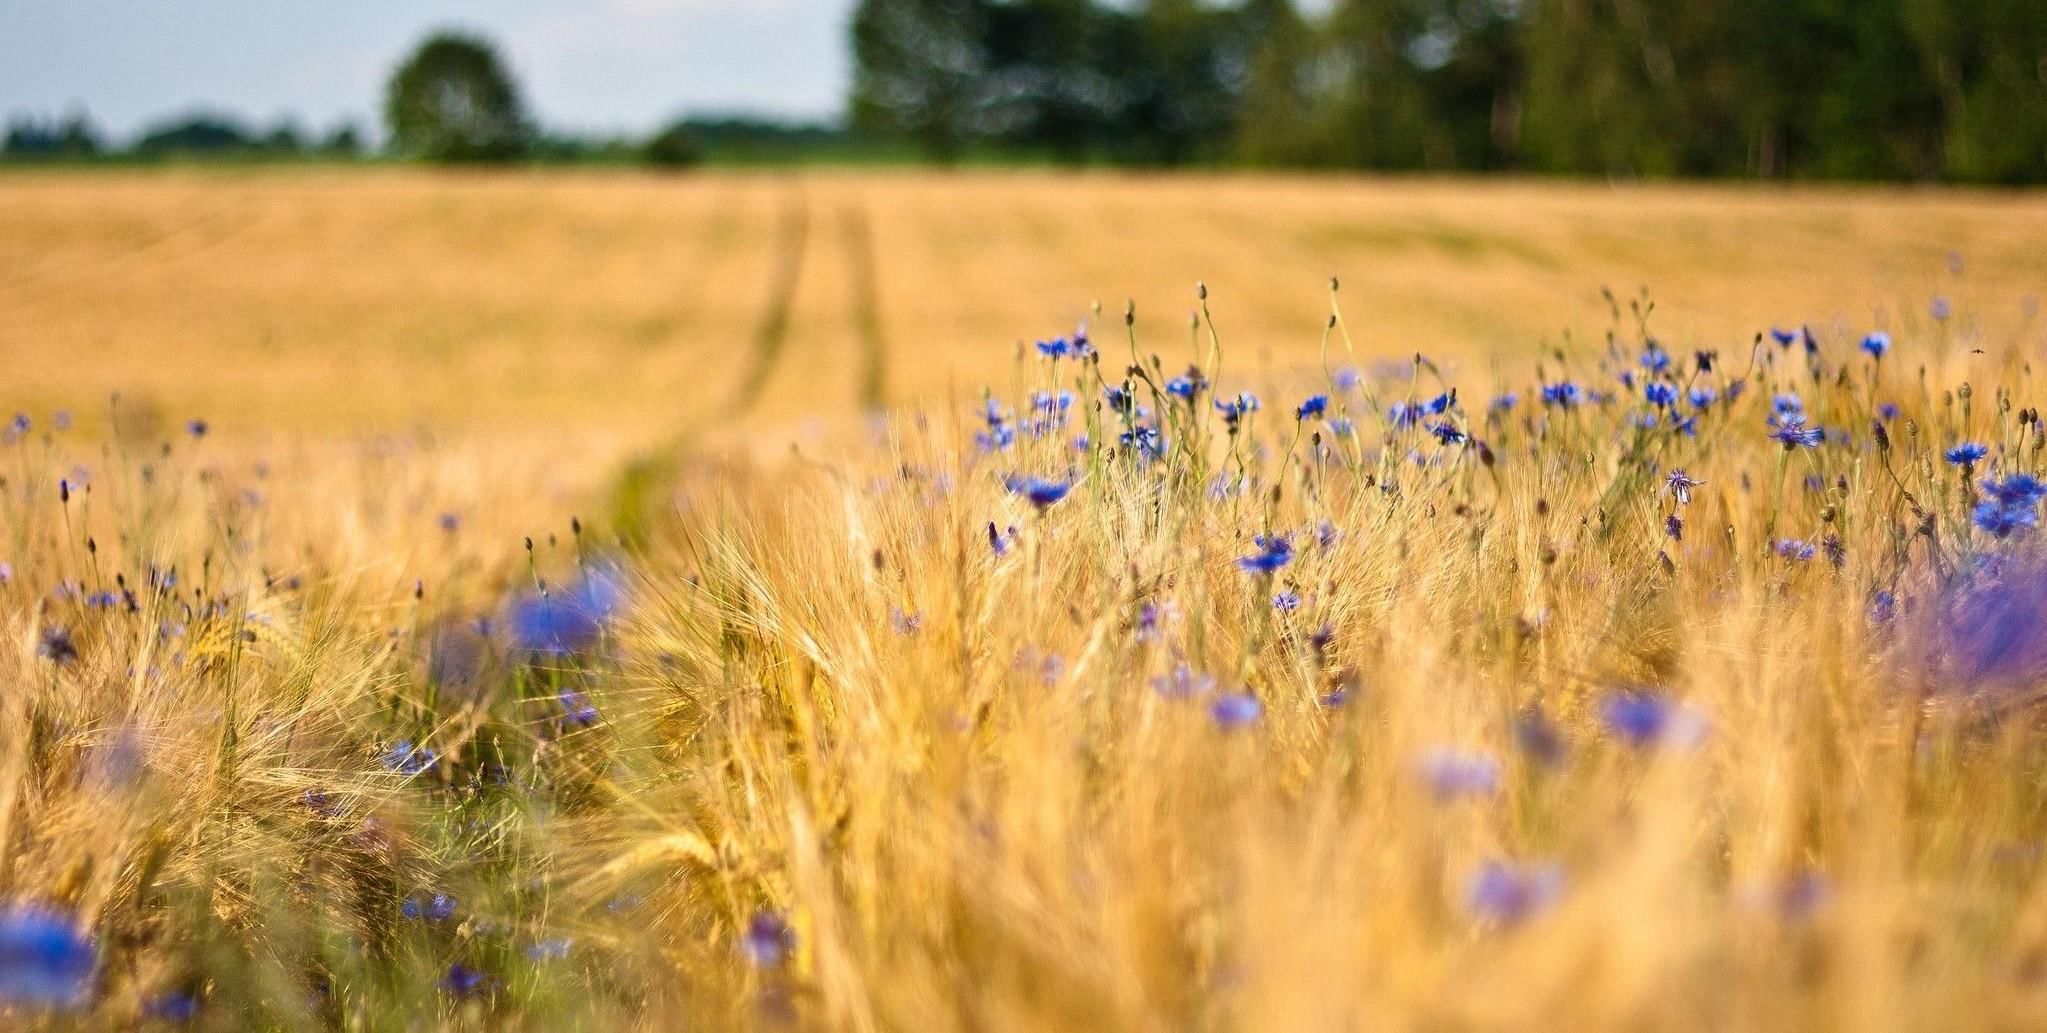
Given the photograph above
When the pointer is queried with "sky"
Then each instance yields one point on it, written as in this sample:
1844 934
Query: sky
585 65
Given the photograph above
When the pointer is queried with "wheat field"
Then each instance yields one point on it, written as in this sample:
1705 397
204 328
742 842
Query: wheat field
543 601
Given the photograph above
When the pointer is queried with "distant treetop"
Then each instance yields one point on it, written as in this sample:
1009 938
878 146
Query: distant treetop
453 100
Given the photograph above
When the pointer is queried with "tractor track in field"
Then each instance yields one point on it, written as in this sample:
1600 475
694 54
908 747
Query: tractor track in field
771 333
643 482
856 233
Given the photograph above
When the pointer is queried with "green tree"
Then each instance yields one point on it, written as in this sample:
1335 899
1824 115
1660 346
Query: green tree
920 68
1182 79
454 101
1049 84
1379 112
1277 117
1988 63
674 147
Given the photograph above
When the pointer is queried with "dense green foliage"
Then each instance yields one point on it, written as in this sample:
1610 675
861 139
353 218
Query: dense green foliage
1885 89
453 100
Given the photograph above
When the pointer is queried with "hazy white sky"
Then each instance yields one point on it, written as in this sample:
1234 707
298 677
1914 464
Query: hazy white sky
584 64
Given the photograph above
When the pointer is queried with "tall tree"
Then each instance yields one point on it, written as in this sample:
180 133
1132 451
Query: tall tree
454 100
1378 104
1277 116
1988 63
919 70
1049 86
1179 75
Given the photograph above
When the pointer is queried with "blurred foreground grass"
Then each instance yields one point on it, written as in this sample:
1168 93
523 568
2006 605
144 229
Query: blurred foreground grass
1651 680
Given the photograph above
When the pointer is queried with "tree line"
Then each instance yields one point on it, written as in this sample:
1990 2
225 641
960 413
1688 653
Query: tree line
1854 89
452 100
1847 89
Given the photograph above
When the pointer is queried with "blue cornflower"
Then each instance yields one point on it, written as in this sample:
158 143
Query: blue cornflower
1051 403
1659 394
463 980
1799 895
1145 442
1286 600
1441 404
1274 552
1681 484
2003 520
1453 773
196 428
1236 710
1342 427
767 940
407 759
1146 627
554 948
1876 344
1040 492
1539 738
1503 893
45 960
1796 434
1183 388
1968 453
1506 402
1654 358
577 708
1796 549
1788 408
2019 489
1563 395
1701 396
1237 408
176 1007
1312 407
1183 682
997 438
438 908
1941 308
1783 337
1000 541
569 619
1327 534
1887 411
904 621
1643 719
1989 627
1075 347
1447 433
1346 379
1405 414
1119 399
